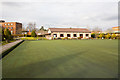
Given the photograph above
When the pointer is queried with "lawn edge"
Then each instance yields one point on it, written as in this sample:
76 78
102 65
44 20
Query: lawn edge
3 54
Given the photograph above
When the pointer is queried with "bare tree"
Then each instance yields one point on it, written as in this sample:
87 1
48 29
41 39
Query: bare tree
96 31
31 26
110 30
23 29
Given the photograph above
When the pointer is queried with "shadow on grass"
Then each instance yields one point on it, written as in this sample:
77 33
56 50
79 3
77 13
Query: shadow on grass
38 68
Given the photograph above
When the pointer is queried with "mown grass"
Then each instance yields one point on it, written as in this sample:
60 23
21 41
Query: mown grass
63 59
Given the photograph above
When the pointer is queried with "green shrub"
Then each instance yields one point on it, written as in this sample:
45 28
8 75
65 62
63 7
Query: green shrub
85 38
3 36
107 36
54 38
78 37
93 35
7 35
33 34
66 38
26 35
113 36
100 36
118 36
63 38
33 38
59 38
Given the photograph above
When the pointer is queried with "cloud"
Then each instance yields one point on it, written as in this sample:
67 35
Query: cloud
62 13
115 17
12 4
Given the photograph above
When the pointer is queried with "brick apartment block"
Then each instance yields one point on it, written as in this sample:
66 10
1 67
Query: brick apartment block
14 27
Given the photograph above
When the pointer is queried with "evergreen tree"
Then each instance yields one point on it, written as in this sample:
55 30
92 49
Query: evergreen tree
33 34
42 28
3 36
7 35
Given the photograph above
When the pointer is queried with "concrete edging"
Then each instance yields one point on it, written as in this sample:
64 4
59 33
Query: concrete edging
3 54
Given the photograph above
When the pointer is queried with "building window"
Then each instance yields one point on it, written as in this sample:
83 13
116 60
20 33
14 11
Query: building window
61 35
81 35
68 35
8 27
87 35
11 27
54 35
75 35
8 24
11 24
5 24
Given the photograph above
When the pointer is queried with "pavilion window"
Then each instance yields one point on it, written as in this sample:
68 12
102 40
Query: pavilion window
61 35
75 35
55 35
87 35
68 35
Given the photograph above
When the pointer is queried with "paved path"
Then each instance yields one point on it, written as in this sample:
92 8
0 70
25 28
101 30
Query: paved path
7 46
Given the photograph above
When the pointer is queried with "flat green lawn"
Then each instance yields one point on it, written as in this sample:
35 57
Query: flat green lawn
63 59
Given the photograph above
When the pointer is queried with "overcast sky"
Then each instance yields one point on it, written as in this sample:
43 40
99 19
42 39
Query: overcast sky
62 13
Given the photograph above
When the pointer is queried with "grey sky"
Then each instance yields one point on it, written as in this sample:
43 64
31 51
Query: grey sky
62 13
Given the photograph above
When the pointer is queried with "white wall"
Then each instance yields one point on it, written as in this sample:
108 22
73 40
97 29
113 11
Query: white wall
49 31
65 34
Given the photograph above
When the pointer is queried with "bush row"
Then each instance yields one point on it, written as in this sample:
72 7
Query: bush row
33 38
105 36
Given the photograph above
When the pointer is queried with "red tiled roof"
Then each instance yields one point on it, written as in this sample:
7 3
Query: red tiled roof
69 30
116 27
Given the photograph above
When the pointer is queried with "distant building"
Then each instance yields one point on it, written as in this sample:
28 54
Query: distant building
14 27
2 21
116 29
68 32
42 32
